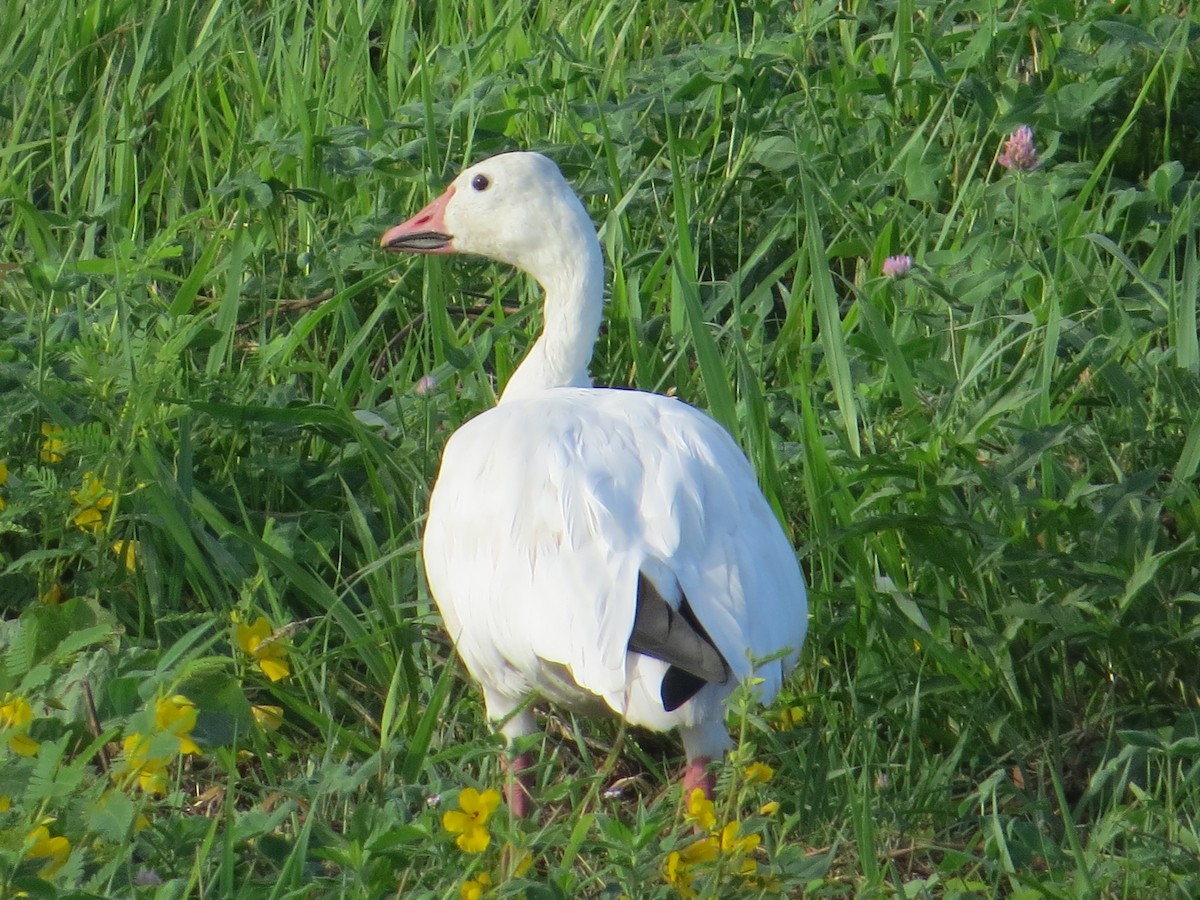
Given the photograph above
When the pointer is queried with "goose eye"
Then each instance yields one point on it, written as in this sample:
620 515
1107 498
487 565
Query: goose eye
480 182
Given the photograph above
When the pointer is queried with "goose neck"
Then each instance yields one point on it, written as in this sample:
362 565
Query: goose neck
573 283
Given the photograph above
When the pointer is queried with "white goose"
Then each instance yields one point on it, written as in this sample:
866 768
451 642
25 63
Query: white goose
597 547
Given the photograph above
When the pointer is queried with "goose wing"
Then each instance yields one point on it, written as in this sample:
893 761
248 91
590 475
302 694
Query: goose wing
549 511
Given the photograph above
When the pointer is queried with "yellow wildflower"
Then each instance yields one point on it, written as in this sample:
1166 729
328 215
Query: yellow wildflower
679 876
702 851
150 770
474 888
53 446
23 744
53 595
16 715
40 845
700 810
731 843
15 712
93 499
469 821
726 841
177 715
127 553
678 871
758 773
740 848
269 718
89 519
769 808
790 717
257 640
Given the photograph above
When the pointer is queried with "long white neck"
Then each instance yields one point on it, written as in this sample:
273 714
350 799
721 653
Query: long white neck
571 272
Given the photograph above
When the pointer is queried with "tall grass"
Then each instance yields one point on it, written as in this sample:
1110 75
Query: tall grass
988 466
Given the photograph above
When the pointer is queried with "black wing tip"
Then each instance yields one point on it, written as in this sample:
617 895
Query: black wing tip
678 687
677 638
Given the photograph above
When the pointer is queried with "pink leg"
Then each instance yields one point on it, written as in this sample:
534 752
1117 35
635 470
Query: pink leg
518 783
696 775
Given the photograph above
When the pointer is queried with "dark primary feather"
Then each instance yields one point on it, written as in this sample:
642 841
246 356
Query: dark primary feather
677 638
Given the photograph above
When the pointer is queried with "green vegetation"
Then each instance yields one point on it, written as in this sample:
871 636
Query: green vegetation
214 459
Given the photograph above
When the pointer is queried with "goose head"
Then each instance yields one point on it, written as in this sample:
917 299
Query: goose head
515 208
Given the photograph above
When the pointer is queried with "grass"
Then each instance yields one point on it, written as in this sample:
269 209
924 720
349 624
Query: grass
988 466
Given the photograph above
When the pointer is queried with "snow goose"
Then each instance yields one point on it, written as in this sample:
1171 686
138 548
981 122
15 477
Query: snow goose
599 548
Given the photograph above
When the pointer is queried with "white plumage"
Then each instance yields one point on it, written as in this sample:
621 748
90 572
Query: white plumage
550 508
